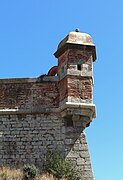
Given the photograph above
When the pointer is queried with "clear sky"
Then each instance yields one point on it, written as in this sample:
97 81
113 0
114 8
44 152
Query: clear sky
30 31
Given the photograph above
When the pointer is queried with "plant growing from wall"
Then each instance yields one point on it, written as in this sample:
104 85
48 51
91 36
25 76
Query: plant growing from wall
29 172
59 167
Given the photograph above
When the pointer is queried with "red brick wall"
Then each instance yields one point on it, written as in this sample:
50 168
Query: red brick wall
80 88
75 55
63 58
28 95
63 89
76 86
72 56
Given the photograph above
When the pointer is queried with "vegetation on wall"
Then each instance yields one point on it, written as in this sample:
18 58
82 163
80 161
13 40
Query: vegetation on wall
59 167
56 168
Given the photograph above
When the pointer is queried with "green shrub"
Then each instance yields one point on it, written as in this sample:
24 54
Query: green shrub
29 172
60 167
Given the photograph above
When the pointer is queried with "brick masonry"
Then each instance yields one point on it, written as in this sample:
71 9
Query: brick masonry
49 112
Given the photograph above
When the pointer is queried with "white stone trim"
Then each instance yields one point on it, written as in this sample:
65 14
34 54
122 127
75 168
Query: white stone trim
81 107
9 110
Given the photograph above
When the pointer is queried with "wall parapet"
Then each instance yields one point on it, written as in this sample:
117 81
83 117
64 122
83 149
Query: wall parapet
29 80
51 111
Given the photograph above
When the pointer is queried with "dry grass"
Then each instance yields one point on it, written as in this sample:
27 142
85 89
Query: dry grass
45 177
10 174
7 173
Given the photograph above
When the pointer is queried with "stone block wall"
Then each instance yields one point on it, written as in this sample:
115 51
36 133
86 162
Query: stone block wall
26 138
51 112
31 124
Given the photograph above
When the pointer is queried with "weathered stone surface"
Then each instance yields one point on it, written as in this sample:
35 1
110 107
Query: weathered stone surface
27 146
50 112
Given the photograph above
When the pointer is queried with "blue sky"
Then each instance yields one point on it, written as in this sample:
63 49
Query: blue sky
30 31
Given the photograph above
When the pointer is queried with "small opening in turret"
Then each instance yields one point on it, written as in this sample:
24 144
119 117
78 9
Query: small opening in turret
79 67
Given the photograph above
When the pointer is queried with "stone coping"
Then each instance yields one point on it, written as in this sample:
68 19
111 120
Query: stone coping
79 106
42 78
76 106
68 45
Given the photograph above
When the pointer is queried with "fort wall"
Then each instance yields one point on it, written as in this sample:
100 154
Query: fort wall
51 111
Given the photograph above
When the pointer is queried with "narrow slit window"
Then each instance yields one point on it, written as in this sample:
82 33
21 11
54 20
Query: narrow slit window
79 67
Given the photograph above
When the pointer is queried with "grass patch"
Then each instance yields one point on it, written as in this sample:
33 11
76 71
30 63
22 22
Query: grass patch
56 168
7 173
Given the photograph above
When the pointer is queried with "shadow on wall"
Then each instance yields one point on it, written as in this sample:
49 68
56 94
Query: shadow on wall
28 132
26 138
29 94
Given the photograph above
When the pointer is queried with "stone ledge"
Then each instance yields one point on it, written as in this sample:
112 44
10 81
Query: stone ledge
29 80
79 73
79 108
68 45
28 111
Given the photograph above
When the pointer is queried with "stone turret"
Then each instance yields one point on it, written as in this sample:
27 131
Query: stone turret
51 112
76 54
